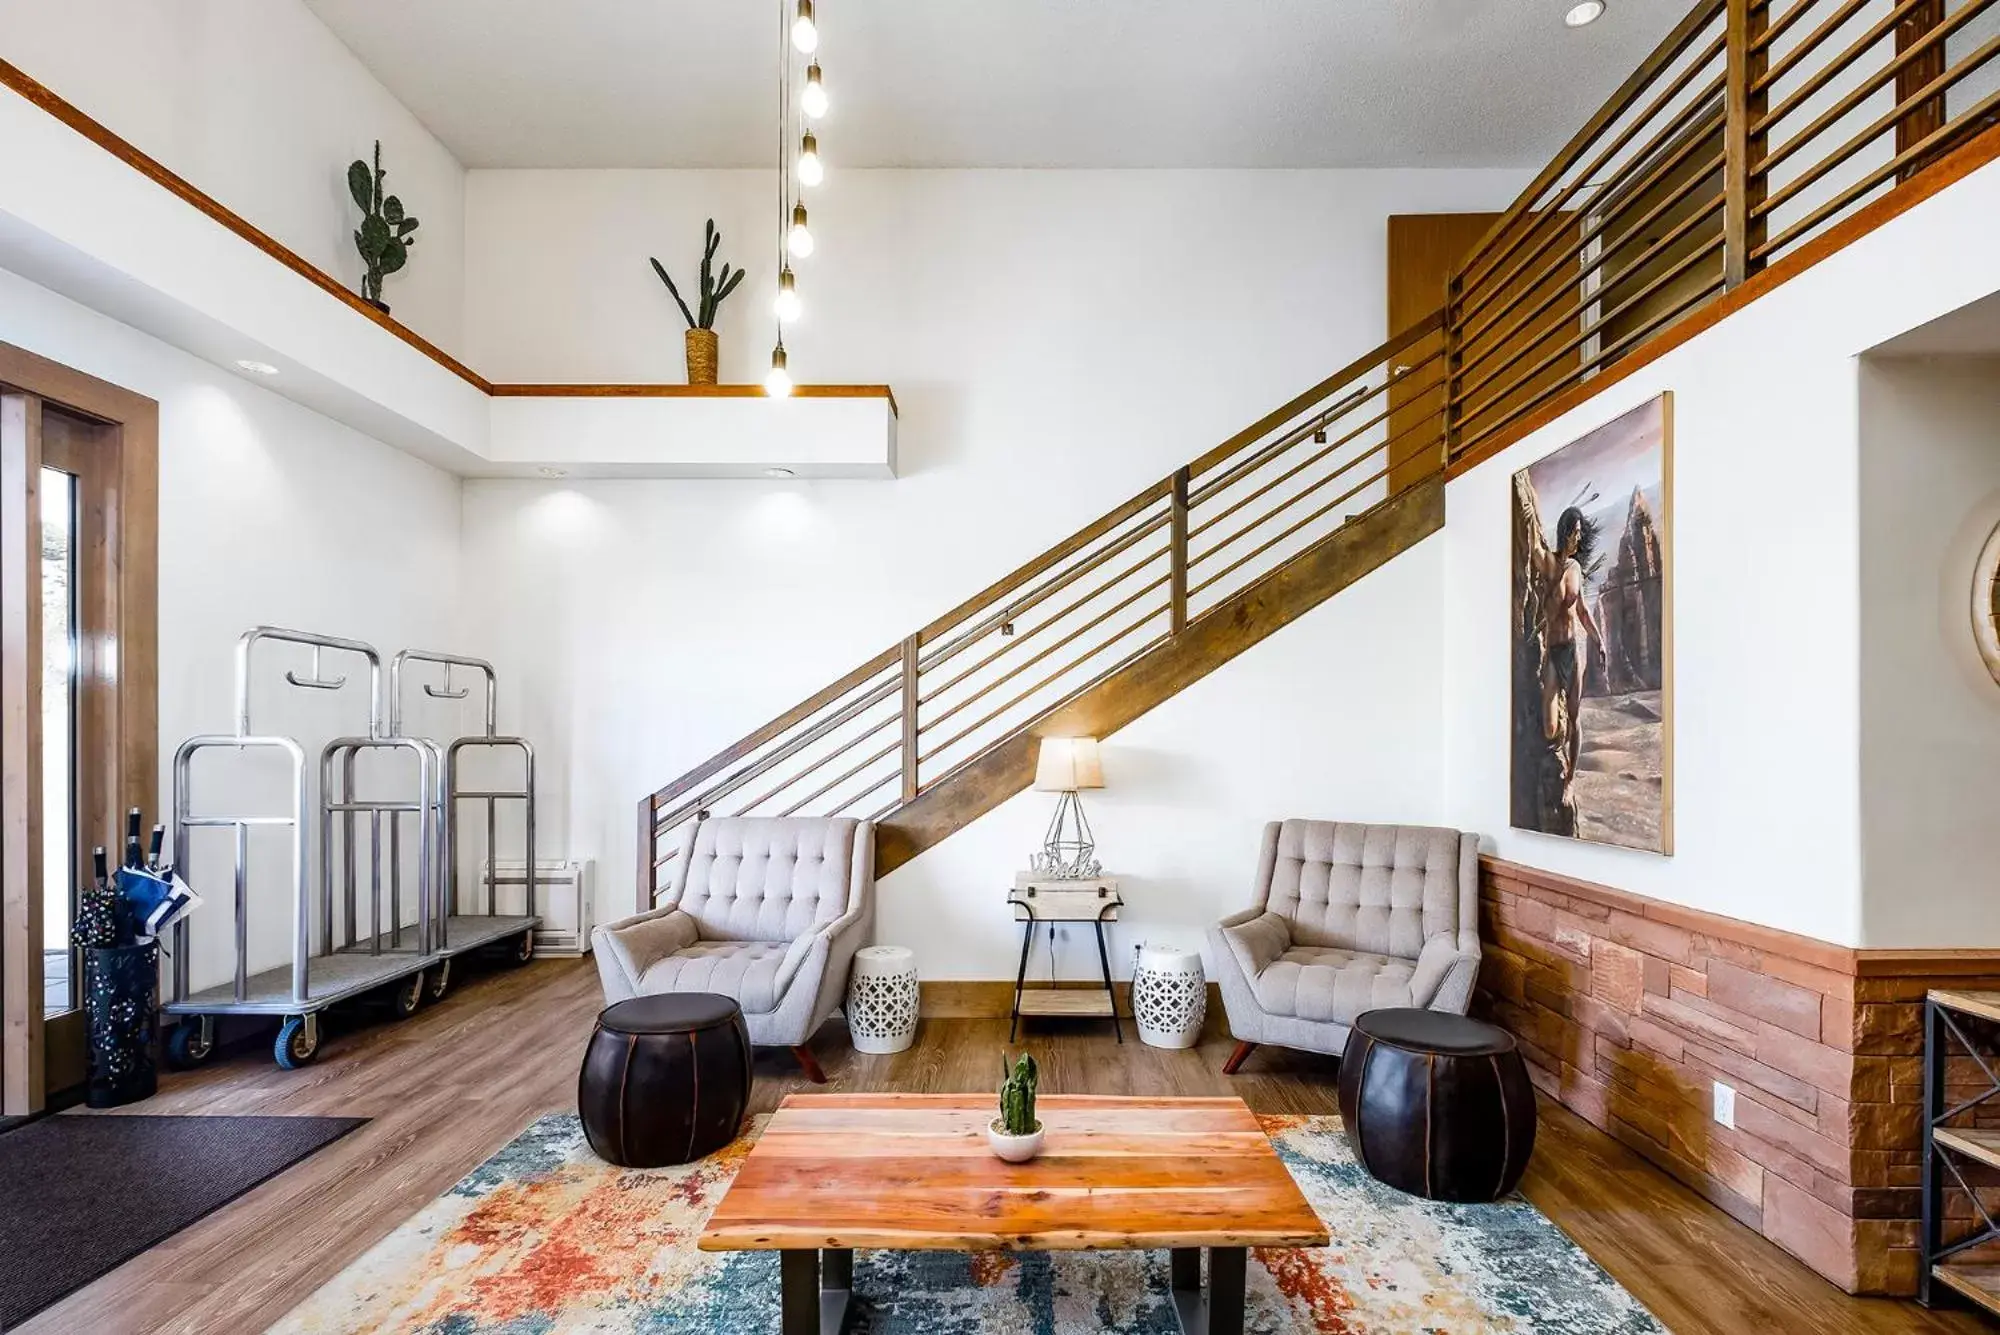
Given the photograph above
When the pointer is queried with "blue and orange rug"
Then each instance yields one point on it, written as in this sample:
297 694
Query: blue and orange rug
545 1239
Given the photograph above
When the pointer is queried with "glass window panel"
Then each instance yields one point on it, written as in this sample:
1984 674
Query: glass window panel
59 701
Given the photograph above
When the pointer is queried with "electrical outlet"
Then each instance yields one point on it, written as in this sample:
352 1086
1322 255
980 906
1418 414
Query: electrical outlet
1725 1105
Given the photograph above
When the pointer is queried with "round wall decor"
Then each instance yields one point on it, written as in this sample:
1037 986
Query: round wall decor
1986 603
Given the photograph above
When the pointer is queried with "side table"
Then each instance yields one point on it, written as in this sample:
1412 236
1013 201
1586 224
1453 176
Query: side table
1039 899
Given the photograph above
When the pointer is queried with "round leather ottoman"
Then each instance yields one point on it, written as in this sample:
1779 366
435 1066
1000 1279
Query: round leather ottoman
1437 1105
665 1080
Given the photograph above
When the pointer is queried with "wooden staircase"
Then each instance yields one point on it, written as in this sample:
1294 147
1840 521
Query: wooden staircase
1751 144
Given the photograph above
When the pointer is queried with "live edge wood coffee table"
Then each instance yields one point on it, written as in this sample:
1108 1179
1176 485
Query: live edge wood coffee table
912 1172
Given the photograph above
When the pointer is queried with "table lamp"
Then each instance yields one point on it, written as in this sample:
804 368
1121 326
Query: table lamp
1066 765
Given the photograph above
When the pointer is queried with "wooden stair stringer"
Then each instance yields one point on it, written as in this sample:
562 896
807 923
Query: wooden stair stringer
1285 594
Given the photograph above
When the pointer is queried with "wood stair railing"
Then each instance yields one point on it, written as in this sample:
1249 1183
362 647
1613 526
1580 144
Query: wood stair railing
1757 133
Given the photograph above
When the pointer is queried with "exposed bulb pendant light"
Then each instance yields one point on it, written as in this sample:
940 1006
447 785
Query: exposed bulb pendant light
787 307
811 170
812 100
805 32
778 383
800 240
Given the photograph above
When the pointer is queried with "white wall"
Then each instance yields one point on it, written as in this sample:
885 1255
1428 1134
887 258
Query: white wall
259 105
1930 711
1056 341
1767 604
269 513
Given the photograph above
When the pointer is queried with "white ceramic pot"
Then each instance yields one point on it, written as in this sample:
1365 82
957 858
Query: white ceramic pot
1169 996
1014 1149
882 999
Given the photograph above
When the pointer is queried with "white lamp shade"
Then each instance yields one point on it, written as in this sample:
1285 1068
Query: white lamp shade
1066 764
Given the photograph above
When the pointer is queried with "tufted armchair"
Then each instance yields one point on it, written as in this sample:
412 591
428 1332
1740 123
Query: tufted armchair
764 910
1348 918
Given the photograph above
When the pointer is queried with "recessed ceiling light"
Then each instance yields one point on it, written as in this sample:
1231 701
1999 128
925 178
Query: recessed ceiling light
553 472
255 367
779 472
1583 12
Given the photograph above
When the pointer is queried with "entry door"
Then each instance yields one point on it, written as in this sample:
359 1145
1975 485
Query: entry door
77 713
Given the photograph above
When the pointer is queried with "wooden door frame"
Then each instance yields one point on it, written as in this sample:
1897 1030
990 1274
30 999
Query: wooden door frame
28 381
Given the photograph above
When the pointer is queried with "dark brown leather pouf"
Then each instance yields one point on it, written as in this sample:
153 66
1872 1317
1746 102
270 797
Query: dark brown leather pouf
1437 1105
665 1080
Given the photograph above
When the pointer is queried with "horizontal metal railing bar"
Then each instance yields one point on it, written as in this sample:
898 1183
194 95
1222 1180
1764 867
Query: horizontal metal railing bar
1585 333
1054 618
1791 60
231 822
1064 643
1054 556
1047 680
1244 467
828 787
1879 126
1847 59
1587 176
1317 455
891 777
1429 417
1501 342
1901 161
1555 326
1468 443
1605 206
1669 50
707 796
1781 25
831 758
797 714
495 793
1015 608
1339 380
1320 513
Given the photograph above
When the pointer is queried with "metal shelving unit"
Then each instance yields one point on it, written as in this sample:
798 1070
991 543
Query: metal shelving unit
1951 1150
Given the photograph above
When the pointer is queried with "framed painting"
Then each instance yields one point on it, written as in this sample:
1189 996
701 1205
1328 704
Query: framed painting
1591 699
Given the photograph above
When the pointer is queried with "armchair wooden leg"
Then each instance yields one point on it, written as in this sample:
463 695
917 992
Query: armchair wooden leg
809 1064
1238 1057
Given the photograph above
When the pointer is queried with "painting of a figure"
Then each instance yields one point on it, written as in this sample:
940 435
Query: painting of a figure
1592 698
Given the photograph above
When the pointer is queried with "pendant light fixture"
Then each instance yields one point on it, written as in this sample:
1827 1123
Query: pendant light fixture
787 307
805 31
799 241
811 172
778 382
812 101
799 167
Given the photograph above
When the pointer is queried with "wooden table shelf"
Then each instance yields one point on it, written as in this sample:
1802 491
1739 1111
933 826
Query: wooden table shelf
1950 1143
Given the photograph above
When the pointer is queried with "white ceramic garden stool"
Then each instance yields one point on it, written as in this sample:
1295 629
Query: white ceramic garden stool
882 999
1169 996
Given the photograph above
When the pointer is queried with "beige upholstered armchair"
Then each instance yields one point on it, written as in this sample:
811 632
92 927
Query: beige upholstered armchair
1348 918
764 910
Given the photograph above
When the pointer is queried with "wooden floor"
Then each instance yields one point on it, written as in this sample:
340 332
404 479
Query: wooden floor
448 1087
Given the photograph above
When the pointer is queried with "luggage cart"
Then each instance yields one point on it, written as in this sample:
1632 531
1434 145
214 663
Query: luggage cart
461 926
299 991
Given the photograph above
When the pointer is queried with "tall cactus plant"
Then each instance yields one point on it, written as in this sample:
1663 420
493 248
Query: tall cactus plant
386 232
1017 1096
715 287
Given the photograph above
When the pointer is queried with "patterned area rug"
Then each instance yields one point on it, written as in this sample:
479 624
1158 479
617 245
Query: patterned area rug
545 1239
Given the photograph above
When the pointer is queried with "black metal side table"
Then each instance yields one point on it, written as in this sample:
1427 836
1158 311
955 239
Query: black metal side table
1038 900
1957 1139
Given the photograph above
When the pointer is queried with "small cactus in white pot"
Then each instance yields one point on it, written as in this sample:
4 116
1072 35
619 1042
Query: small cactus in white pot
1016 1134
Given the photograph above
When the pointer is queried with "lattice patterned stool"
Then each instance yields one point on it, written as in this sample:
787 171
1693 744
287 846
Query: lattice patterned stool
882 999
1169 996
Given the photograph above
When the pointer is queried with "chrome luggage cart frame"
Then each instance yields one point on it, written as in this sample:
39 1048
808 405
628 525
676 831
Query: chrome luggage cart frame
311 982
460 931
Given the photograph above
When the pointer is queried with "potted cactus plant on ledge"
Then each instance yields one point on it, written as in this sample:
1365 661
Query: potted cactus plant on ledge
1016 1134
715 289
386 233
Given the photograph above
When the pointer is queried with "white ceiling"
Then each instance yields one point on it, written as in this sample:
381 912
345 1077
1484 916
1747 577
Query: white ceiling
1015 83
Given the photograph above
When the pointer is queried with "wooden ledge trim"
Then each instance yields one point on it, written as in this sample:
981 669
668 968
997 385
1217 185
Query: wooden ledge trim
1953 167
1855 962
689 392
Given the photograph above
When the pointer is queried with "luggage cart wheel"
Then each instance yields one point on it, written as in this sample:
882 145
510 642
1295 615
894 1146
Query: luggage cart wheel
407 996
437 980
522 949
190 1043
298 1042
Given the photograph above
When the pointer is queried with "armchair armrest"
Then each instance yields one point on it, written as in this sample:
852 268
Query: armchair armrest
815 946
634 945
1256 938
1447 968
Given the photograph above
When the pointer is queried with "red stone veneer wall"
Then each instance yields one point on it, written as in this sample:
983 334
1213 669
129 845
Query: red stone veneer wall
1628 1009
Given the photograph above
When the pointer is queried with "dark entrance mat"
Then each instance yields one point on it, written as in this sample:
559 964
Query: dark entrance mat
81 1195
